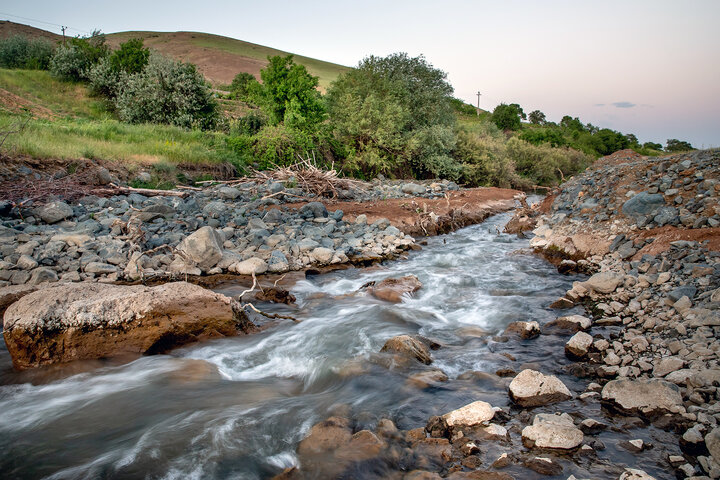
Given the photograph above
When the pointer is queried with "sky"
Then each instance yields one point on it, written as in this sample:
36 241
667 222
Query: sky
648 67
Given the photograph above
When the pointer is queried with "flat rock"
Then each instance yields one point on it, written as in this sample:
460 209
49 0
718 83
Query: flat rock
13 293
668 365
543 466
472 414
93 320
603 282
392 289
556 431
643 203
643 397
531 388
712 441
569 323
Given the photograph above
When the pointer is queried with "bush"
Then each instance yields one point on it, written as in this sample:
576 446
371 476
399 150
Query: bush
131 57
103 79
543 164
22 52
281 145
250 124
74 60
244 86
167 92
675 145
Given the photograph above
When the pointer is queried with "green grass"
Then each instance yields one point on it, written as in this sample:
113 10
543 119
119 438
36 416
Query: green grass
41 91
110 139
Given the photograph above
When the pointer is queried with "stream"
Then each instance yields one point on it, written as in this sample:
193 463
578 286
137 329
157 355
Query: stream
238 407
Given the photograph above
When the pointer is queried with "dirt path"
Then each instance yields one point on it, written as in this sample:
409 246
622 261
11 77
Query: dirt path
422 216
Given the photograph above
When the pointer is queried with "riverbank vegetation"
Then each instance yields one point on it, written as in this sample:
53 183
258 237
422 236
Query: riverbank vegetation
394 116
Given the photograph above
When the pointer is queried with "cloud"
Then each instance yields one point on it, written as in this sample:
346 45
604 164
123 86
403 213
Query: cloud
623 104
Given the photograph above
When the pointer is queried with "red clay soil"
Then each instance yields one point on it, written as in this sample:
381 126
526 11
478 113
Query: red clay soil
664 235
411 215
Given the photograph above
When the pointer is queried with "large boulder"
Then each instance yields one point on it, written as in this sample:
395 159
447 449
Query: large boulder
54 212
648 398
203 248
409 347
94 320
643 203
552 431
603 282
531 388
392 289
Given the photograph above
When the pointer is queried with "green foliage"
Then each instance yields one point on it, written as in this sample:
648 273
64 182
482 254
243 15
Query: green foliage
571 123
394 115
104 79
167 92
131 57
652 146
462 107
675 145
280 145
250 124
22 52
543 164
244 86
508 117
537 117
74 60
289 95
538 136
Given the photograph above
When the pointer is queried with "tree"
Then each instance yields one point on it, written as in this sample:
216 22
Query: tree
167 92
131 57
537 117
243 86
675 145
74 60
652 146
572 123
394 115
289 94
508 117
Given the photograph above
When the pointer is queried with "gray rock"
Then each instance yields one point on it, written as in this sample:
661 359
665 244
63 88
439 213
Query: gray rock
556 431
99 267
54 212
668 365
643 397
531 388
278 262
143 177
203 248
314 210
682 291
42 274
229 193
276 187
712 441
413 189
26 262
274 215
643 204
251 265
322 255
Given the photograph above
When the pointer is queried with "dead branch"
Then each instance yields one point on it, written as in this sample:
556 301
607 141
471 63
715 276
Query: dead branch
271 315
252 289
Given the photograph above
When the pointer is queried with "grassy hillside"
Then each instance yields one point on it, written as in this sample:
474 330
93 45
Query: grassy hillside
221 58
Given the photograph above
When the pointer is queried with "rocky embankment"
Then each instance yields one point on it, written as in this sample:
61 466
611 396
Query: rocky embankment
647 228
119 235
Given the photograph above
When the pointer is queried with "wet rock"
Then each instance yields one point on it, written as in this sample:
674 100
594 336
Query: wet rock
635 474
326 436
531 388
422 475
93 320
203 248
590 426
552 431
409 347
524 330
570 323
475 413
392 289
362 446
578 345
54 212
437 451
543 466
649 398
634 446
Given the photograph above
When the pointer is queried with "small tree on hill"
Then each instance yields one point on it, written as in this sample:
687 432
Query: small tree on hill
244 86
289 94
537 117
106 75
508 117
131 57
675 145
652 146
74 60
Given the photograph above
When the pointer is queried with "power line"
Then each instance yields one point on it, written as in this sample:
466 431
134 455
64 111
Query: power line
42 21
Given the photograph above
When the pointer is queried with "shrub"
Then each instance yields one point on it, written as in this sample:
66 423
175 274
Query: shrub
280 145
131 57
250 124
244 86
652 146
73 60
22 52
675 145
508 117
103 79
167 92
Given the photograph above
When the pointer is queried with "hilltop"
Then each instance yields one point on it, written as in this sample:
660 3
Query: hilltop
219 58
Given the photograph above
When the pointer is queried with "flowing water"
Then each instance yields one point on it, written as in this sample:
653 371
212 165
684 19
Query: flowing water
237 407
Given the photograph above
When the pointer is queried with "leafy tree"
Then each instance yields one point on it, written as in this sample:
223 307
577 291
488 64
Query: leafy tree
537 117
632 140
652 146
167 92
29 53
131 57
289 94
572 123
675 145
508 117
394 114
73 60
244 86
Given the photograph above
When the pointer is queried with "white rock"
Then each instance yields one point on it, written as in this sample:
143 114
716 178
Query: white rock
578 345
647 397
322 255
472 414
552 431
248 267
531 388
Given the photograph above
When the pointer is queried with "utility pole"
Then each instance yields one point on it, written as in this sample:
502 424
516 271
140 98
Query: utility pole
63 30
478 106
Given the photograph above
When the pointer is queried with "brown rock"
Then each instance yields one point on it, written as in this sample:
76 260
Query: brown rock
543 466
94 320
480 475
524 330
364 445
649 398
275 295
437 450
392 289
326 436
13 293
410 347
426 379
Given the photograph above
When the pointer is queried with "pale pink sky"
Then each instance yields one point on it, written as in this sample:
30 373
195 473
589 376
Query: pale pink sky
649 67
